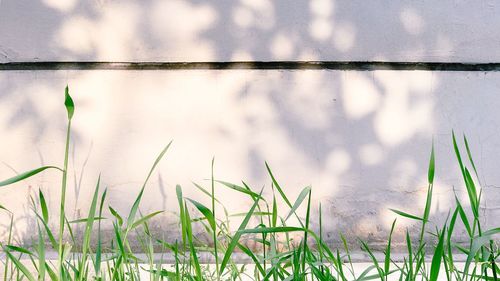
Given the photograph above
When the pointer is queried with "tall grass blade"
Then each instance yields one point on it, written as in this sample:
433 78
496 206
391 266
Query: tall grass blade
410 255
428 200
457 152
464 218
116 215
303 194
18 249
406 215
367 249
477 243
469 154
268 230
20 265
43 206
471 192
437 257
189 235
308 213
88 229
205 211
449 258
48 231
238 188
27 174
278 187
98 252
214 226
180 199
430 173
363 276
144 219
387 261
248 252
70 108
68 103
237 235
52 274
41 253
135 206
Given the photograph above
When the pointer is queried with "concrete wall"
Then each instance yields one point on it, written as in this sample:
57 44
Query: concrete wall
361 138
176 30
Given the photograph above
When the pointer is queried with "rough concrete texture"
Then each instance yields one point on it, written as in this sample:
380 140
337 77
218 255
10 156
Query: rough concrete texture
251 30
361 139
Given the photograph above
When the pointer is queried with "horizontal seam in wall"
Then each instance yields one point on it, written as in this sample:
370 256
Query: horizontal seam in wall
263 65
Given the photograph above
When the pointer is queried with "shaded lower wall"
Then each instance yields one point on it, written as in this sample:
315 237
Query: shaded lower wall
361 139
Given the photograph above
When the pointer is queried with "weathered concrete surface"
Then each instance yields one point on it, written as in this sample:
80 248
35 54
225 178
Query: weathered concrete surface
361 139
251 30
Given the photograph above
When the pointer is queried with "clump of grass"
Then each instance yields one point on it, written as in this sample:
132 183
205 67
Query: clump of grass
276 256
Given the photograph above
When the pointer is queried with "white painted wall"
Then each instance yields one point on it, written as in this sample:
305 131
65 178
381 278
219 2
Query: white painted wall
192 30
361 139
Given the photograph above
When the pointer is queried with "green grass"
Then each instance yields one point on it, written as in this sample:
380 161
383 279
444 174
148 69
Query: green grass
276 255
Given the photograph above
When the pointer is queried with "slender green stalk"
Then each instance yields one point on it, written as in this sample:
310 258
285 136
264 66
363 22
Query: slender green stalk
215 224
9 240
428 202
308 210
62 216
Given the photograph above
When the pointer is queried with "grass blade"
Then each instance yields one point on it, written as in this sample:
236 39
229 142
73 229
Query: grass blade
88 229
20 265
135 206
116 215
471 192
437 257
180 199
237 235
26 175
430 173
406 215
469 154
278 187
43 206
303 194
68 103
457 152
70 108
477 243
410 254
97 260
205 211
268 230
144 219
238 188
41 254
380 271
191 244
308 213
463 217
387 260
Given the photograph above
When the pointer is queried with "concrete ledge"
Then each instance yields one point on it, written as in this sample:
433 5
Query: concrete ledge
264 65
